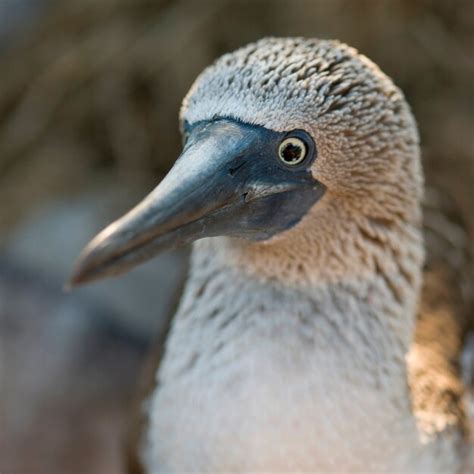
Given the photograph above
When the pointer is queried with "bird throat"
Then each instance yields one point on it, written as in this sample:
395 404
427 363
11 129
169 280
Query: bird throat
251 365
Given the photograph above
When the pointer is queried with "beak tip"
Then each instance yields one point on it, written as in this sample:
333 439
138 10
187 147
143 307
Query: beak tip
79 277
91 266
86 269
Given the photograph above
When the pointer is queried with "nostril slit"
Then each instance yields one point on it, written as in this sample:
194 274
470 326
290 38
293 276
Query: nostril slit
232 171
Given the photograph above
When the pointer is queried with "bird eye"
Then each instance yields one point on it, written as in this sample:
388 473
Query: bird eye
292 151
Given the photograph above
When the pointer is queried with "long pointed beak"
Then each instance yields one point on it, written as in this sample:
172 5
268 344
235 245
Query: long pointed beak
217 186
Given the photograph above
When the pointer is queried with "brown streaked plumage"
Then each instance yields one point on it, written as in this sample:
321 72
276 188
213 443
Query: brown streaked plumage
444 319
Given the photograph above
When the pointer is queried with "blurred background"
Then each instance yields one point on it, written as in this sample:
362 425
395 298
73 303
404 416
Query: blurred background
89 98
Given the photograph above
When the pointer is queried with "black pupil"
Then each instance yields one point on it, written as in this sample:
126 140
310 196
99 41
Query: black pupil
291 153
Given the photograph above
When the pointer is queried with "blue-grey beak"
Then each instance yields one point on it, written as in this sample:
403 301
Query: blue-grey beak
227 181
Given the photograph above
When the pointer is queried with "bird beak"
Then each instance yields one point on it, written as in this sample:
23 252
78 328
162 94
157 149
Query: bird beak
222 184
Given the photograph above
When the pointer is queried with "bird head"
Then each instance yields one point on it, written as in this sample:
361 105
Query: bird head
293 147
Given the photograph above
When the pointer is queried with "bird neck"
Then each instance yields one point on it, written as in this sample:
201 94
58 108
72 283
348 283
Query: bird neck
250 347
381 297
375 270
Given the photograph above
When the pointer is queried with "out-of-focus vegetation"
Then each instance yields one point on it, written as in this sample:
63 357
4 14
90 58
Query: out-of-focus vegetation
89 98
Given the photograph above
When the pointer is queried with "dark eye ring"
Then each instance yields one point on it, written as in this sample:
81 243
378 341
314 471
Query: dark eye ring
292 151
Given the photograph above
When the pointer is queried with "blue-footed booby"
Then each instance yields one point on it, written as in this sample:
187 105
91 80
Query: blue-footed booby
294 347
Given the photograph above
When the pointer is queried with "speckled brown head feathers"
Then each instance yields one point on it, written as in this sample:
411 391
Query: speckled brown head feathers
359 118
368 154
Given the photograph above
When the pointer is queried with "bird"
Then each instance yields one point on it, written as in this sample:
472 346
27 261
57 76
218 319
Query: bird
312 334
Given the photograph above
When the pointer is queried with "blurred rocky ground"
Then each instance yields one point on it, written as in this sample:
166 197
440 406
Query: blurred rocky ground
89 97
